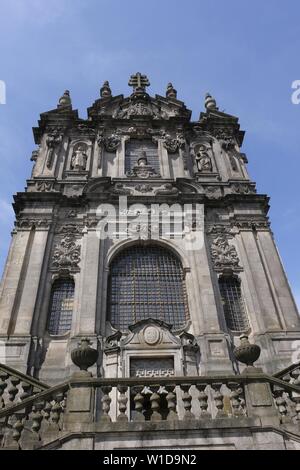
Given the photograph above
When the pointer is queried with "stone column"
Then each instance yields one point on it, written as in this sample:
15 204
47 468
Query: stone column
272 320
87 290
279 285
24 315
11 277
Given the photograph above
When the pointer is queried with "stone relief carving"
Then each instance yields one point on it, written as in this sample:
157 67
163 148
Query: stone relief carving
143 188
110 143
44 186
120 188
70 229
253 225
142 169
223 254
66 254
143 231
151 335
140 108
242 188
172 144
30 223
54 138
212 192
225 136
167 189
84 129
79 157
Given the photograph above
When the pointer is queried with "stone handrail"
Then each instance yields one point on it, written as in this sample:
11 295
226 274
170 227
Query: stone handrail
287 371
16 387
34 421
23 377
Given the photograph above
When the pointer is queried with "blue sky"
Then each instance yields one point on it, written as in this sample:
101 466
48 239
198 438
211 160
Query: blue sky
245 53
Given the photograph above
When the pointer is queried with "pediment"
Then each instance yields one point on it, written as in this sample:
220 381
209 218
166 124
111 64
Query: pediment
151 333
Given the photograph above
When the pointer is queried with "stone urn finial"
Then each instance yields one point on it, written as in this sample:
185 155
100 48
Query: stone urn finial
246 352
171 92
105 91
84 356
65 100
210 102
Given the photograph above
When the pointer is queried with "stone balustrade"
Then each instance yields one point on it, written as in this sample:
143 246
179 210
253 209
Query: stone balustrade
93 405
15 386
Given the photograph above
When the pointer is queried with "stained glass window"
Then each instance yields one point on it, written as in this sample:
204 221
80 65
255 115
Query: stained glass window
233 303
61 306
146 282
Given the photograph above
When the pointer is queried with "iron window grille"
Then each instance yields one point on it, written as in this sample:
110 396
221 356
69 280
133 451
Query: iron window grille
233 303
61 306
147 282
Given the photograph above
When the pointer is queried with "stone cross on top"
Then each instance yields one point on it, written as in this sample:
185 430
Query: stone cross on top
139 82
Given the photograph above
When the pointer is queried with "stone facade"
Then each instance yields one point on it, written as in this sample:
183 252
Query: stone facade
147 150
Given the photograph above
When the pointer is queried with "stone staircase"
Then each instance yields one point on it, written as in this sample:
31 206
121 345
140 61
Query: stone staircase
250 410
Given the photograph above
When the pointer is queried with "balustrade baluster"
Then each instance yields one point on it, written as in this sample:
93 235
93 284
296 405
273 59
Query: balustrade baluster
155 403
295 397
219 400
236 398
281 403
37 416
18 426
56 409
138 399
122 400
13 389
203 400
187 401
26 387
47 411
106 401
3 377
171 400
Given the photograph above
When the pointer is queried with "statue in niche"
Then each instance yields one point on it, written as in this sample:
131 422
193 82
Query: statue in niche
203 160
79 159
233 163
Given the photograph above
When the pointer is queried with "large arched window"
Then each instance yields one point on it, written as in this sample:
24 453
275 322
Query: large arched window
61 306
233 303
146 282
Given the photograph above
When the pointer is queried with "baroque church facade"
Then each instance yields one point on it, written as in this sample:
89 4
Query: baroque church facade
166 297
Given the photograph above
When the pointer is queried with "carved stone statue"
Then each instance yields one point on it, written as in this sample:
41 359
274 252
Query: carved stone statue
79 159
203 159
